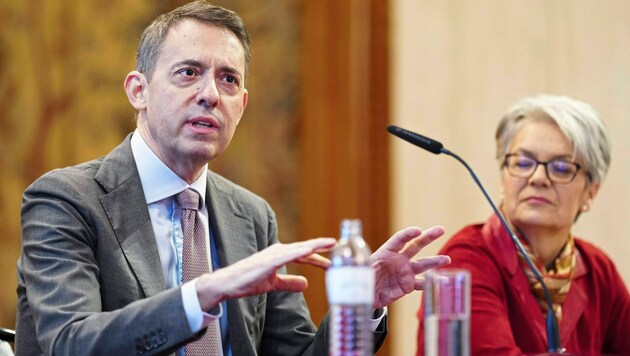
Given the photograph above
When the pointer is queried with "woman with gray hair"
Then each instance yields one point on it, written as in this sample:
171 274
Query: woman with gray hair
553 153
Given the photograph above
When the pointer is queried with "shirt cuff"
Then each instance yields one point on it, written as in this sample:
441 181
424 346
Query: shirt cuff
377 318
197 318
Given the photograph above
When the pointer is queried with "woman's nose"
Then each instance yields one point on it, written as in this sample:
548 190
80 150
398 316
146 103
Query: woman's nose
540 176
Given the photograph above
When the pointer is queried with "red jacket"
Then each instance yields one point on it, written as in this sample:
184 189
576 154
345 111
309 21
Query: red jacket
505 318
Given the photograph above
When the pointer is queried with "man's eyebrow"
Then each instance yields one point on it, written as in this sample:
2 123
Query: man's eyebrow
231 70
187 62
198 64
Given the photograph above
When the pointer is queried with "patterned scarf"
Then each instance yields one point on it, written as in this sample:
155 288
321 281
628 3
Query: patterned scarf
557 277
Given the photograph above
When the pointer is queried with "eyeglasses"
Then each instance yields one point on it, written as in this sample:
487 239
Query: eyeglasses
558 171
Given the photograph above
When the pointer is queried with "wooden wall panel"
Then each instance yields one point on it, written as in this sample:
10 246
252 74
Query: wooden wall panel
344 114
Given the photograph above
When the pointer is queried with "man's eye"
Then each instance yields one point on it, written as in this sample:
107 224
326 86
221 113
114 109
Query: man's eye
187 72
230 80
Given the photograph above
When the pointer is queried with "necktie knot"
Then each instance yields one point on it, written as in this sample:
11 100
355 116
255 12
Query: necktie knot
188 199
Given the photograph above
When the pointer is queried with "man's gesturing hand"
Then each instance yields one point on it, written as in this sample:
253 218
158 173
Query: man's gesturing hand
396 271
257 273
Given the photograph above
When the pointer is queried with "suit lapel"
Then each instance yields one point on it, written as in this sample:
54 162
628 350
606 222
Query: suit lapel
235 239
126 208
576 301
503 248
232 227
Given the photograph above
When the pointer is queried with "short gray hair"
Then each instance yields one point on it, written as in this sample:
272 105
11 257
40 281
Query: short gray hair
154 35
576 119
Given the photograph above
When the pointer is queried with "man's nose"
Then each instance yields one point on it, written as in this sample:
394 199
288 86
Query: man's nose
208 93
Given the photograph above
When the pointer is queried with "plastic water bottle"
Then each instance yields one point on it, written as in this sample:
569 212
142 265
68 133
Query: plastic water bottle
350 290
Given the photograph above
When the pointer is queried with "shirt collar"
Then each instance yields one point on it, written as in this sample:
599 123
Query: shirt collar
159 181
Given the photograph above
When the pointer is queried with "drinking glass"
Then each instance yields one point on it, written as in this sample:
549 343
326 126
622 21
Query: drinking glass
447 312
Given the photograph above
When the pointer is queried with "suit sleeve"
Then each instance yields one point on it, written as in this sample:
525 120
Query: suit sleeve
61 294
616 340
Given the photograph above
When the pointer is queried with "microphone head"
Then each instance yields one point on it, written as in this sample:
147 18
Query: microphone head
416 139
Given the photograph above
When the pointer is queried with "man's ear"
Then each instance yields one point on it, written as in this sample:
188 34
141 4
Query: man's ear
245 93
135 87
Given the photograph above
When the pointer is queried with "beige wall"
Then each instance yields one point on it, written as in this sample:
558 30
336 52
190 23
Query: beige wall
457 66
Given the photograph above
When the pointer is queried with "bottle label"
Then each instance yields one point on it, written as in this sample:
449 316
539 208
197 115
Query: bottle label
350 285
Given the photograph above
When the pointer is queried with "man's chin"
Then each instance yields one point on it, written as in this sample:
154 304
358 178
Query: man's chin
205 154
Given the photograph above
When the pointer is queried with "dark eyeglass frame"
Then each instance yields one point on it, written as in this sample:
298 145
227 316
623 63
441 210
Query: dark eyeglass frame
545 164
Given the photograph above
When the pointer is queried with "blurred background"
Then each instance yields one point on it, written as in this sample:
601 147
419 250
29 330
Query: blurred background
326 79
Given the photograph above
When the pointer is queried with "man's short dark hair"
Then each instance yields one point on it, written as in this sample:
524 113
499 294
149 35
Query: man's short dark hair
153 36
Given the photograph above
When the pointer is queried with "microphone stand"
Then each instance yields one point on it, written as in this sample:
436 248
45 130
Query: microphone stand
553 335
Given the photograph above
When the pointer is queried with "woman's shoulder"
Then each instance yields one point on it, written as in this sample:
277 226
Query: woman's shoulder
471 248
483 244
468 237
595 258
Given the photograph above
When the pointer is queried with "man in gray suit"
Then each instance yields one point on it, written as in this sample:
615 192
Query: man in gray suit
101 264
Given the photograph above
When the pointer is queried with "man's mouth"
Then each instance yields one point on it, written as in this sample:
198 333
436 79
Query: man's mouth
202 124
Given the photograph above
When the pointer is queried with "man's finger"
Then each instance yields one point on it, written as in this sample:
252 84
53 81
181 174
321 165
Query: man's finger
426 263
398 241
418 284
416 245
315 260
319 243
290 283
282 254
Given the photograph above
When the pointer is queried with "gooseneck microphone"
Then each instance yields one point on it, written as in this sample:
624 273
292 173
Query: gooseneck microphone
553 334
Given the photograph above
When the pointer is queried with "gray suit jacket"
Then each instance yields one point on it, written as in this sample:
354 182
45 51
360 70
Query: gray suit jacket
90 279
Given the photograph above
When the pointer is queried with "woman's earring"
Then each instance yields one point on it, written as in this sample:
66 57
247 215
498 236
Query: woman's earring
586 207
